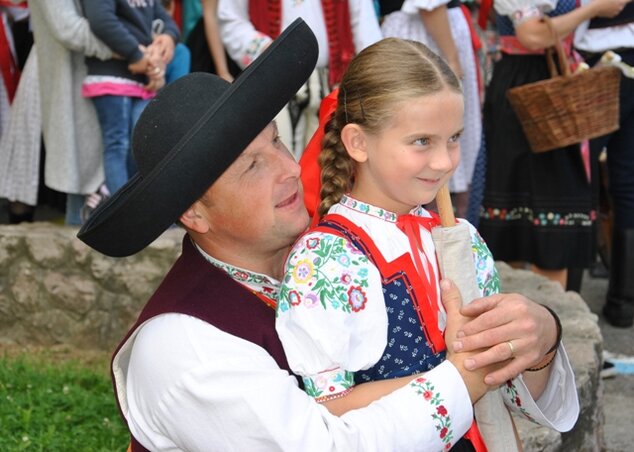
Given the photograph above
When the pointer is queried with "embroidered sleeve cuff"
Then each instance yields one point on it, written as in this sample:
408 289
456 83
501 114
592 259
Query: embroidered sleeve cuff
524 14
329 384
446 403
257 45
558 406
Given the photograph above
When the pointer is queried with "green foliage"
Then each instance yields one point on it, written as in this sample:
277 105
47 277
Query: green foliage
60 406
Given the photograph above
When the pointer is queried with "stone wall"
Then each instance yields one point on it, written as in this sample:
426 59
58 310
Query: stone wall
55 290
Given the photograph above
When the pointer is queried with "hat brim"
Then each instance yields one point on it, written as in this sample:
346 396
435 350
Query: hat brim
148 204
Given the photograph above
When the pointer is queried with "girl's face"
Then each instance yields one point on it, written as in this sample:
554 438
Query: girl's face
414 155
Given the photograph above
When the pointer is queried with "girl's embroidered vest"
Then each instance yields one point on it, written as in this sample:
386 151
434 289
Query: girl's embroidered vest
409 349
195 287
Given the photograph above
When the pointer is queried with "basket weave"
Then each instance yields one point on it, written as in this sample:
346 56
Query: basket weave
569 108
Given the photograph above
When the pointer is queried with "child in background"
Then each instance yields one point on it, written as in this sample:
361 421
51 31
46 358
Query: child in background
121 87
181 62
360 298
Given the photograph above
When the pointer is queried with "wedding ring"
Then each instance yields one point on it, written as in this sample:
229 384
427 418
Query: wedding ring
510 344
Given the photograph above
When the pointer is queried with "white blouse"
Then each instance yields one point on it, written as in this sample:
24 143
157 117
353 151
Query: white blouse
511 7
332 316
413 6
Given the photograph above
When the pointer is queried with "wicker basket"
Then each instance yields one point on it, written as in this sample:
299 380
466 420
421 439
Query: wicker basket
568 108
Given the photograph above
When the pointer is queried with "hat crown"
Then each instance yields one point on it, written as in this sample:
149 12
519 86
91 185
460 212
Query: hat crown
170 116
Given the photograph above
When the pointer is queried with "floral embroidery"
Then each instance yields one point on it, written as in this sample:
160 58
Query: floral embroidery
256 46
303 271
357 298
369 209
312 243
257 282
310 300
539 218
328 383
442 420
487 275
328 273
294 298
513 396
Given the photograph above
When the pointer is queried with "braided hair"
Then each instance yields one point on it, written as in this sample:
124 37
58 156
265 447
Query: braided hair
381 76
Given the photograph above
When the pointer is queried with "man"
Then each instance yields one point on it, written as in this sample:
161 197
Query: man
593 38
203 368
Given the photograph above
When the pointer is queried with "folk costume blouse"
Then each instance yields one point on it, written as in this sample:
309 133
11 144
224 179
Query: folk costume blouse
185 384
342 321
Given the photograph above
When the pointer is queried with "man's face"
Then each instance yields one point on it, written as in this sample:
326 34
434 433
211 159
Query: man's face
257 205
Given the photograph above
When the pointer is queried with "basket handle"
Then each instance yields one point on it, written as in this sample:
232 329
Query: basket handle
563 62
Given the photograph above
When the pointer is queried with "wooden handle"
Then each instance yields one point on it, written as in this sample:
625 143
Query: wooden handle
445 208
564 67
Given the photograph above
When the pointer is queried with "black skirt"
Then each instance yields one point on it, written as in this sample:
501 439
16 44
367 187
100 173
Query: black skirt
537 208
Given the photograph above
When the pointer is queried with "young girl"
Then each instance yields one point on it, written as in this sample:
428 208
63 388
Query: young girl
360 297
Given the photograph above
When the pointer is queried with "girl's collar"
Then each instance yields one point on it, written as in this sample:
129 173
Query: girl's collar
378 212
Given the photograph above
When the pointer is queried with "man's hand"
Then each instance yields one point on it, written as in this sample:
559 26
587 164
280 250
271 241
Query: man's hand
498 320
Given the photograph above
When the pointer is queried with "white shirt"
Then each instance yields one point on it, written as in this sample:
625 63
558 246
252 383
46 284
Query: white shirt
598 40
183 384
244 43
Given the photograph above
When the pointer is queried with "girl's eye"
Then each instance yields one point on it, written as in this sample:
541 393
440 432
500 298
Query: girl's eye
277 140
422 141
252 165
455 138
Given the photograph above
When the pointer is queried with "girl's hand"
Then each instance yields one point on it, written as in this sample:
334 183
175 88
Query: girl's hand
456 321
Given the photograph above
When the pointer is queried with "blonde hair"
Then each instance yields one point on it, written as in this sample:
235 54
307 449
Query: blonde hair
382 75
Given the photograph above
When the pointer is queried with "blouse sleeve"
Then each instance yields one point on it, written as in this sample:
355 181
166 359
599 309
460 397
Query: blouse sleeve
242 41
331 315
558 406
521 10
412 6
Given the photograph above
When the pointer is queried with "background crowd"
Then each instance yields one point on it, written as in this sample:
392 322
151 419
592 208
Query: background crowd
77 74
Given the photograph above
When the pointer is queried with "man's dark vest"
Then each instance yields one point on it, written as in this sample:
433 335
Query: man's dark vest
195 287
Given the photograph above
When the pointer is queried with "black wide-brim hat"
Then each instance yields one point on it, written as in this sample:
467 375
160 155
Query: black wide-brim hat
189 134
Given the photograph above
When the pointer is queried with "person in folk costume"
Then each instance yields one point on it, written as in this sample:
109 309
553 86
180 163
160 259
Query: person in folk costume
192 374
593 38
343 28
21 193
359 300
445 27
537 207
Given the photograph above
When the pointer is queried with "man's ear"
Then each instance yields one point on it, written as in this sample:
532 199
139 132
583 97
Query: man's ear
354 139
191 219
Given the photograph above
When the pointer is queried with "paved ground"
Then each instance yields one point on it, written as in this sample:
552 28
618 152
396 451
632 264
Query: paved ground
618 391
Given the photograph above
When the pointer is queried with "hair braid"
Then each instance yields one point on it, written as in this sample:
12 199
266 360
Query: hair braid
336 167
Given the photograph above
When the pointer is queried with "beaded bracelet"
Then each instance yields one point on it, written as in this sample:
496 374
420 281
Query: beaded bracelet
554 347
